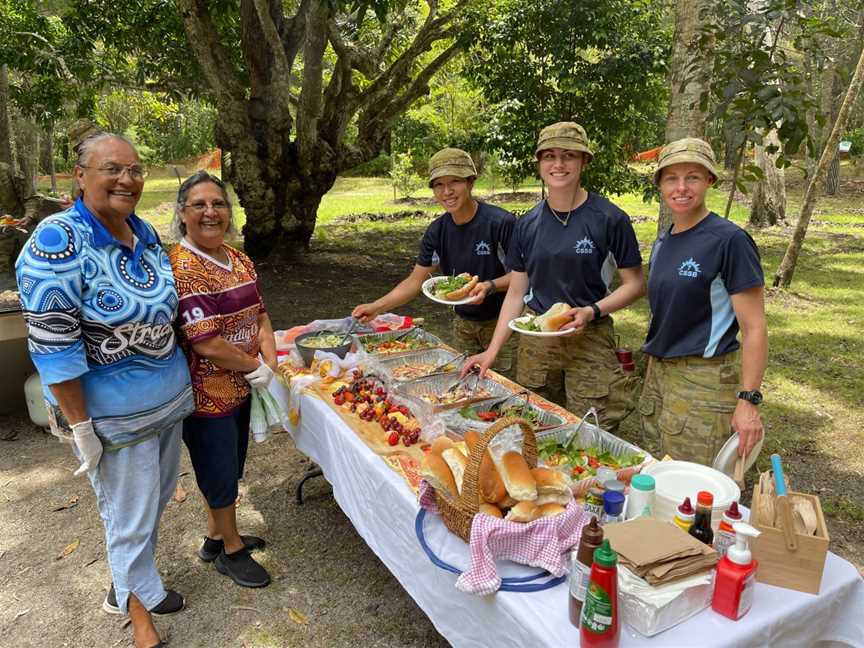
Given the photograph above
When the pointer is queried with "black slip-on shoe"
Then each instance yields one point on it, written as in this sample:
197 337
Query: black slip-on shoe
242 569
171 604
211 548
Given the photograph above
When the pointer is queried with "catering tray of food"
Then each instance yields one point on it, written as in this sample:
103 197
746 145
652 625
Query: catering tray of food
580 449
480 416
448 391
393 342
418 364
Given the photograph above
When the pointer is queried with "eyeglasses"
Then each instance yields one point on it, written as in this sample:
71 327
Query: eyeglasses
201 207
135 171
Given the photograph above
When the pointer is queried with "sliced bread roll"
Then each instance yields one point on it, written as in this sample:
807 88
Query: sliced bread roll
554 318
440 444
555 498
517 477
550 482
457 463
489 482
522 512
491 509
436 471
550 510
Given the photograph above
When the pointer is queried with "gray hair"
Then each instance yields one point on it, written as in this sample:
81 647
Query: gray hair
178 227
88 145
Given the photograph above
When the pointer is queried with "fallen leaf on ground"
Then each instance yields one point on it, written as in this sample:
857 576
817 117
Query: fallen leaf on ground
68 549
180 494
297 616
72 501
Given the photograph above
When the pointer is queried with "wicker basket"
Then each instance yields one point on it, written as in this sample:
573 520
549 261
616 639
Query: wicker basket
459 514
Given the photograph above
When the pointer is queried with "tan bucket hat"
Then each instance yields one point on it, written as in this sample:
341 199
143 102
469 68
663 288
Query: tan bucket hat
688 149
451 162
569 136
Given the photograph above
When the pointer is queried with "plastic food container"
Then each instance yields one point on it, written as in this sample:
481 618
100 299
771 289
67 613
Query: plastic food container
421 334
675 480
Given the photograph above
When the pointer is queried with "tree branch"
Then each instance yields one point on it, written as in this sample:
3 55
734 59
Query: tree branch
309 109
208 50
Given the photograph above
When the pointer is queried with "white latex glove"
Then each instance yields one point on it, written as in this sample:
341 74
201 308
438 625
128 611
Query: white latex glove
261 377
88 445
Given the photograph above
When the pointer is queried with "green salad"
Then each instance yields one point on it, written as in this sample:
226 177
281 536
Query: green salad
584 462
449 284
527 325
323 341
516 411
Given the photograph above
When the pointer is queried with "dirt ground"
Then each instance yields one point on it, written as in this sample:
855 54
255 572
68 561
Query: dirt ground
329 589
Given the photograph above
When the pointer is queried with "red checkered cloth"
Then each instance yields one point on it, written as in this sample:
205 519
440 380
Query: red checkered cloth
543 543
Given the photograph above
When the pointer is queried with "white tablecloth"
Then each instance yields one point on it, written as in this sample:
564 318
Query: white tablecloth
383 510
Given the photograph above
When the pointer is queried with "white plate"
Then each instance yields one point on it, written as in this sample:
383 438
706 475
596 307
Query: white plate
676 480
725 460
525 318
427 290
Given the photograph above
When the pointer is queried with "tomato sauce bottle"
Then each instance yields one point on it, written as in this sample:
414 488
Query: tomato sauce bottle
601 627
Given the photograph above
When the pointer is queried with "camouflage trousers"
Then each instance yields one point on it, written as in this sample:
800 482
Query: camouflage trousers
10 244
687 404
586 366
474 337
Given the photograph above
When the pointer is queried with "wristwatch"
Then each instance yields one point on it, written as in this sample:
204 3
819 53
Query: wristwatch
596 309
754 396
492 288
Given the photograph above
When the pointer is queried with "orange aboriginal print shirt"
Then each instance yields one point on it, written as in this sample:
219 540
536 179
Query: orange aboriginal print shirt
216 299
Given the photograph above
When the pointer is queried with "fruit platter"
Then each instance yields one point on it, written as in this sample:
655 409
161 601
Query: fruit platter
367 399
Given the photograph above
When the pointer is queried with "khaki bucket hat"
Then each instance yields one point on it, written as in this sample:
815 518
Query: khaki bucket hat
451 162
569 136
688 149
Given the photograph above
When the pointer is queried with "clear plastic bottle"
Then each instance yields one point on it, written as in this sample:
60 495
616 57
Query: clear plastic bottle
725 536
640 501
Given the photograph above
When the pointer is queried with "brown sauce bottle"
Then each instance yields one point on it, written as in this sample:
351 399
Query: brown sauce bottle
701 529
580 569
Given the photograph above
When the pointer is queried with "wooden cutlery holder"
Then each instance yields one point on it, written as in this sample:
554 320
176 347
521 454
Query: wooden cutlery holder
788 556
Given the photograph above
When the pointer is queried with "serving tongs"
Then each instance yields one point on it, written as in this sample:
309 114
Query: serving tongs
525 395
354 323
475 373
442 368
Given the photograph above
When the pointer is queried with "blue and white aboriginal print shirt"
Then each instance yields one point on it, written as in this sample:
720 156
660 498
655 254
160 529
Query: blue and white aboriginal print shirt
98 311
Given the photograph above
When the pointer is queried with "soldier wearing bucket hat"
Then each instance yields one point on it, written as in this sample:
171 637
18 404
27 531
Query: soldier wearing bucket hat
705 284
473 237
567 249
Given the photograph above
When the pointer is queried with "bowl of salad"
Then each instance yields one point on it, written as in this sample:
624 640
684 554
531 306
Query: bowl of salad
308 343
580 461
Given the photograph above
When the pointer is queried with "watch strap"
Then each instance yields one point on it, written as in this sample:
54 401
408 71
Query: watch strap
596 309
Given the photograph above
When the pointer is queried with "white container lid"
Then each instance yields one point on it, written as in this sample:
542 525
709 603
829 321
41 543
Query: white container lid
676 480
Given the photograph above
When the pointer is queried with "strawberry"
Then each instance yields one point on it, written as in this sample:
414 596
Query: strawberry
393 439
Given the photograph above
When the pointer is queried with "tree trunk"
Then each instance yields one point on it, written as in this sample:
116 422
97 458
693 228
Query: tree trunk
731 142
49 149
783 277
832 180
27 152
685 119
7 137
769 194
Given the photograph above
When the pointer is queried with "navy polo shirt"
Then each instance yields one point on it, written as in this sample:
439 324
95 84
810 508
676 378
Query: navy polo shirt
478 247
692 275
576 263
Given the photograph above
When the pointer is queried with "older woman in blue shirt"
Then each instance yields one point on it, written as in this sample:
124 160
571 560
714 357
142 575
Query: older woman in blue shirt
99 300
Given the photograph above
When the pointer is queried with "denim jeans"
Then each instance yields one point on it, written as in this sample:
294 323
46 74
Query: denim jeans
133 485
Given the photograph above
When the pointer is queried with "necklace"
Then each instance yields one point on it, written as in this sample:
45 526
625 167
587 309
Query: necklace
561 219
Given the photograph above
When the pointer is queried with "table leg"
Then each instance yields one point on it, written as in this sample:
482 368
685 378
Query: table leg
312 472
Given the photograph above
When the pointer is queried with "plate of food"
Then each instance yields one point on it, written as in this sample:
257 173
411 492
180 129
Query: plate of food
546 325
451 291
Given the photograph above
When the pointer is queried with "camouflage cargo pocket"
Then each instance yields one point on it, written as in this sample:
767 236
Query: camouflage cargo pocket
694 430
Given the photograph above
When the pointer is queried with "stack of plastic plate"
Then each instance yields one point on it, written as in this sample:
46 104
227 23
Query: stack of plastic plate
676 480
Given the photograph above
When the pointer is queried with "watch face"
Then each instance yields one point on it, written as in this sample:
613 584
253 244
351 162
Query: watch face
754 396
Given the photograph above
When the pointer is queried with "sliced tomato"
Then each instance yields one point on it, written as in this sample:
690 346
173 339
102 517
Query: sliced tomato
487 416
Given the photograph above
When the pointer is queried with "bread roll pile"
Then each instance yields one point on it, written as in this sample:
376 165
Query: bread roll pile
509 490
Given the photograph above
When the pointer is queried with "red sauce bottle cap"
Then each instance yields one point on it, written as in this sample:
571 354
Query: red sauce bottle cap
705 498
686 508
732 512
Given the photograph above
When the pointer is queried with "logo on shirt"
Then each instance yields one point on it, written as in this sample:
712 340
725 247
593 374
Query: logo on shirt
435 259
482 249
584 246
689 268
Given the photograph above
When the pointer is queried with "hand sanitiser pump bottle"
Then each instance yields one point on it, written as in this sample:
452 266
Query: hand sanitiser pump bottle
736 575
